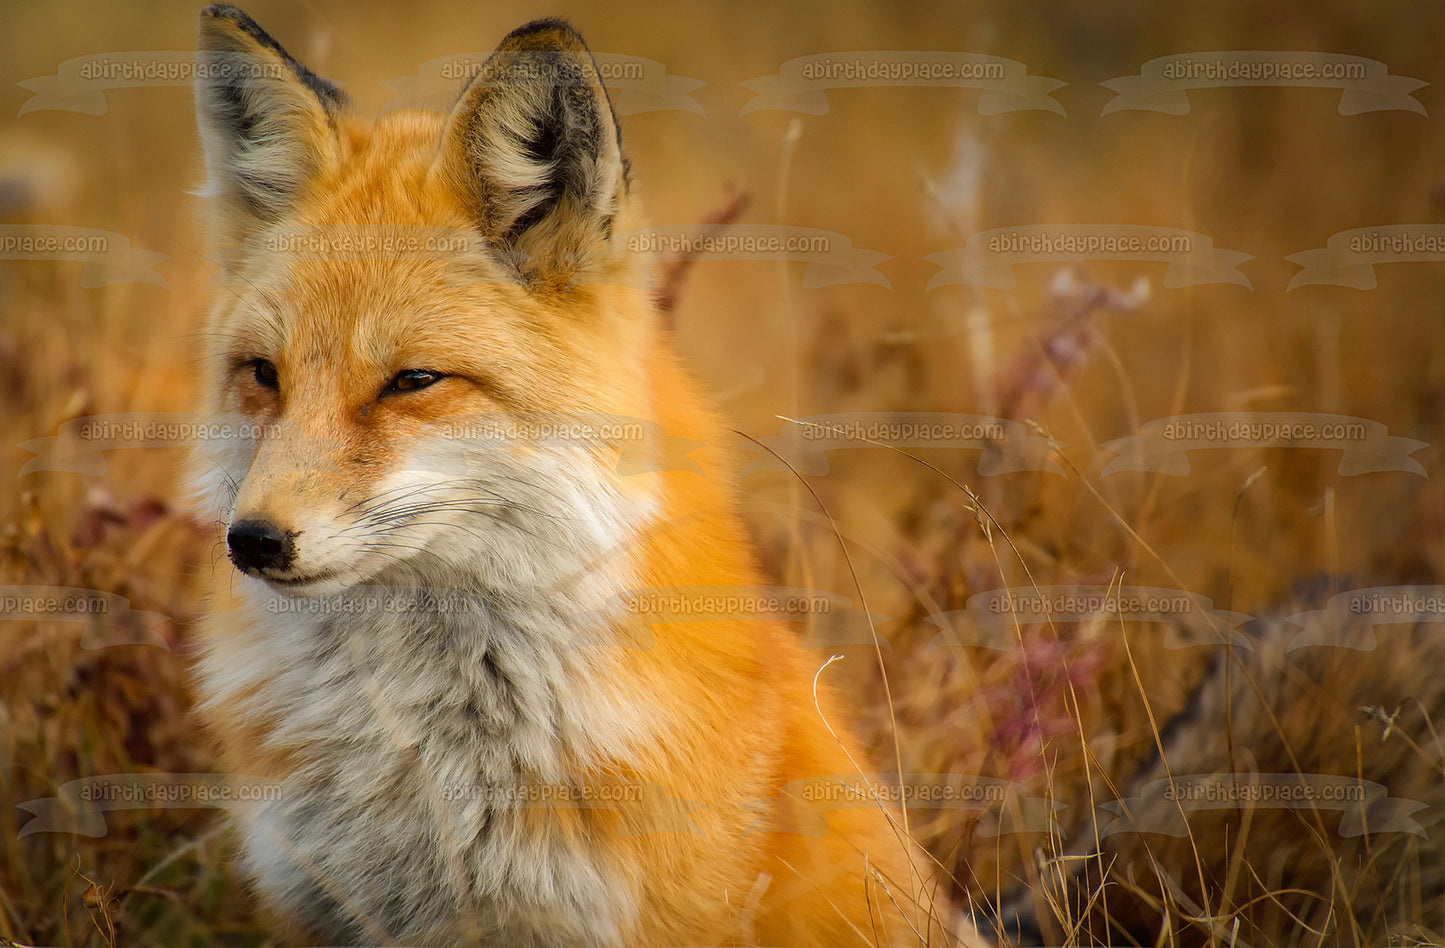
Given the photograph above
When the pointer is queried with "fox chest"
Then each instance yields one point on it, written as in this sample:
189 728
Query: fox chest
399 819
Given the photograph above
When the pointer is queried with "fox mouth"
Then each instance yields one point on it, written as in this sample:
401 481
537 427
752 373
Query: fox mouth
296 582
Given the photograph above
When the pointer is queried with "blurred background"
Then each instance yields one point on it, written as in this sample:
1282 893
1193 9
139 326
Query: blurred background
1087 352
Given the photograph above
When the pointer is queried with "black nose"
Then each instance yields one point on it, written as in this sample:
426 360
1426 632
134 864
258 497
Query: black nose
258 544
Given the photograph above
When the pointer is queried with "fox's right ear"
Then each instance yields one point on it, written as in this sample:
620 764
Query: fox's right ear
534 149
267 122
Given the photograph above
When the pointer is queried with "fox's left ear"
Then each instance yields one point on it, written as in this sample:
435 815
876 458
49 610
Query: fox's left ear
269 124
534 149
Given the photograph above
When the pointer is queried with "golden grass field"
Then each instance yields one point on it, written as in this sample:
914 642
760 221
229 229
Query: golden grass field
1084 358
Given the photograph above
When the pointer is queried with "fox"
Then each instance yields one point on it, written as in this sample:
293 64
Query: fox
542 767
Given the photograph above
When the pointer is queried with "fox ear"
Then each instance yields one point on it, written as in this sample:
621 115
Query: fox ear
267 122
535 150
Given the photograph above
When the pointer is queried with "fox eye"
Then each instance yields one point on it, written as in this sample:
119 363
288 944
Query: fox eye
409 380
265 374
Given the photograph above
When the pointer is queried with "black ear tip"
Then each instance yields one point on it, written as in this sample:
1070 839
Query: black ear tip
547 32
221 38
218 15
224 11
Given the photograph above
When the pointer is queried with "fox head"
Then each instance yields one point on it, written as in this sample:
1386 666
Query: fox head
418 311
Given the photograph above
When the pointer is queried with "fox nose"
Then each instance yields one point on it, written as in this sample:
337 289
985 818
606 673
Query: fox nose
258 544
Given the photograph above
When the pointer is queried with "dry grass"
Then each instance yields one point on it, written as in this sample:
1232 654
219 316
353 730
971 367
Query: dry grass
1071 712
